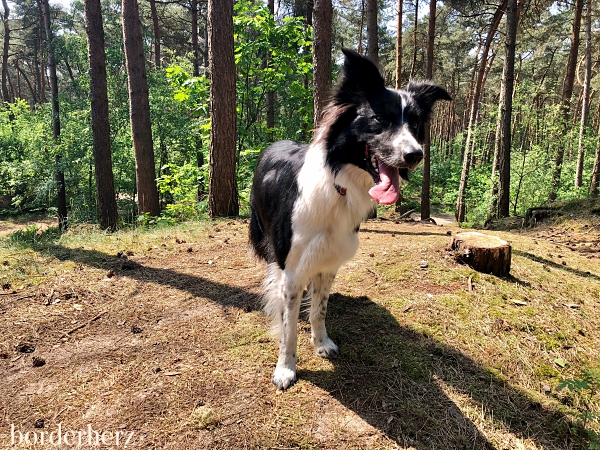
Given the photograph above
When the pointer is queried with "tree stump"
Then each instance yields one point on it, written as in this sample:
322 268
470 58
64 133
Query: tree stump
484 253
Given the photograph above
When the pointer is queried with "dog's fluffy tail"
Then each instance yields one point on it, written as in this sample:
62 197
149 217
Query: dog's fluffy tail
273 297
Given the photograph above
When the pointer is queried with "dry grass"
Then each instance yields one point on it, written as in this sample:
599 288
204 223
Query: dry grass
170 343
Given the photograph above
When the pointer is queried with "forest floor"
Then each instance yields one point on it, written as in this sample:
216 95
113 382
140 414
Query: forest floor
156 337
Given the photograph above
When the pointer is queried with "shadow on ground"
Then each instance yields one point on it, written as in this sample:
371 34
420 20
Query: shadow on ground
393 377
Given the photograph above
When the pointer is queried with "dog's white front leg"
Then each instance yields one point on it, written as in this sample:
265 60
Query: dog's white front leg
285 372
321 285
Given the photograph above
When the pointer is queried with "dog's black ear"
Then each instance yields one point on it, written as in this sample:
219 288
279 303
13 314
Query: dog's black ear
360 78
426 94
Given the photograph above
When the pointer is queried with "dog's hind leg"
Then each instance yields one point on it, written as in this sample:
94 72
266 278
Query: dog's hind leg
285 372
321 285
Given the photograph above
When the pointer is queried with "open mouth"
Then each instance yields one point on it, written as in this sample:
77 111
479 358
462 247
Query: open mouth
386 179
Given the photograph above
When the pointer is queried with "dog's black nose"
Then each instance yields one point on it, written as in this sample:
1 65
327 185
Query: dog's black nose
413 156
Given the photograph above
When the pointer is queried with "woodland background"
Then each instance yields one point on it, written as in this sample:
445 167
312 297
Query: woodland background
521 132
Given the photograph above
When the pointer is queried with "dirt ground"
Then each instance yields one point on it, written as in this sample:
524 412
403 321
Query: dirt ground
160 339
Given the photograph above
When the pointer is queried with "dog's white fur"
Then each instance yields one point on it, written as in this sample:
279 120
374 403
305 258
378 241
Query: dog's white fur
325 237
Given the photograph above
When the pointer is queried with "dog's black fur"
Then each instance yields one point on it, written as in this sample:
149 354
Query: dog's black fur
308 201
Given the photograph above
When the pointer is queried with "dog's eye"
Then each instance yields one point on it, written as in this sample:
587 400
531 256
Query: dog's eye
379 119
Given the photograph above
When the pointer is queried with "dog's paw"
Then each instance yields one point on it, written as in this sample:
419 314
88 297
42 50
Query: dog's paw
327 349
283 377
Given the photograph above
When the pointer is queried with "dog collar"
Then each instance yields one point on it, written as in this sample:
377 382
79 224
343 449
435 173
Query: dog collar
341 190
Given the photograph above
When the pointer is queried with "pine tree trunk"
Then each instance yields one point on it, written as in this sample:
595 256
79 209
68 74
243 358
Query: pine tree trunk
506 111
373 55
60 176
413 67
157 33
195 47
585 108
270 92
5 51
223 195
567 93
139 110
399 46
322 19
595 182
426 183
398 206
105 189
372 33
462 190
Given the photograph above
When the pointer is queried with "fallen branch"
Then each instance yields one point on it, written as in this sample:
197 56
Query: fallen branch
407 214
78 327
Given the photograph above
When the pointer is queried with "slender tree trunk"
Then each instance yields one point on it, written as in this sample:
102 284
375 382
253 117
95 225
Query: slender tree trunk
413 68
322 19
506 111
105 188
5 51
223 195
270 92
585 109
139 110
461 201
398 206
36 70
60 176
157 33
399 46
195 48
595 182
41 47
567 93
361 27
372 32
28 82
426 183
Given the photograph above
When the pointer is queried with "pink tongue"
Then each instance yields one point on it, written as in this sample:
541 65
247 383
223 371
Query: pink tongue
386 191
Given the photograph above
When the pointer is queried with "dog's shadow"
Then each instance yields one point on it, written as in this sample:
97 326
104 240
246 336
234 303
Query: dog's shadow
403 382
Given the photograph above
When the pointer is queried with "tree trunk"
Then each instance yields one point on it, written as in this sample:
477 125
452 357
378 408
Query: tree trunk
462 190
322 19
413 68
270 92
585 108
157 33
105 189
567 93
223 195
195 48
399 46
372 32
398 206
139 110
426 183
5 51
595 182
361 27
29 85
60 176
484 253
506 110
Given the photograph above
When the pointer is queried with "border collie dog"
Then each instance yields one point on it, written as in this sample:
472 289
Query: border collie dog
308 201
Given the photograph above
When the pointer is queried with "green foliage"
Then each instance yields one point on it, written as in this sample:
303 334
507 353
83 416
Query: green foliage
180 184
585 388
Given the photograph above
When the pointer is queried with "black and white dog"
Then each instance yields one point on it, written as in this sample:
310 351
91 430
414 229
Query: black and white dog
308 201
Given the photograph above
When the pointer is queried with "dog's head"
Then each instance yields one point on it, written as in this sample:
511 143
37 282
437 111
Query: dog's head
375 128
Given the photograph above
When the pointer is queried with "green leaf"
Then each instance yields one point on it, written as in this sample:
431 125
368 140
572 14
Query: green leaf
559 362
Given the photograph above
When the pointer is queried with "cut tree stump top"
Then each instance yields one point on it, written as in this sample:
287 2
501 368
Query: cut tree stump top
483 252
